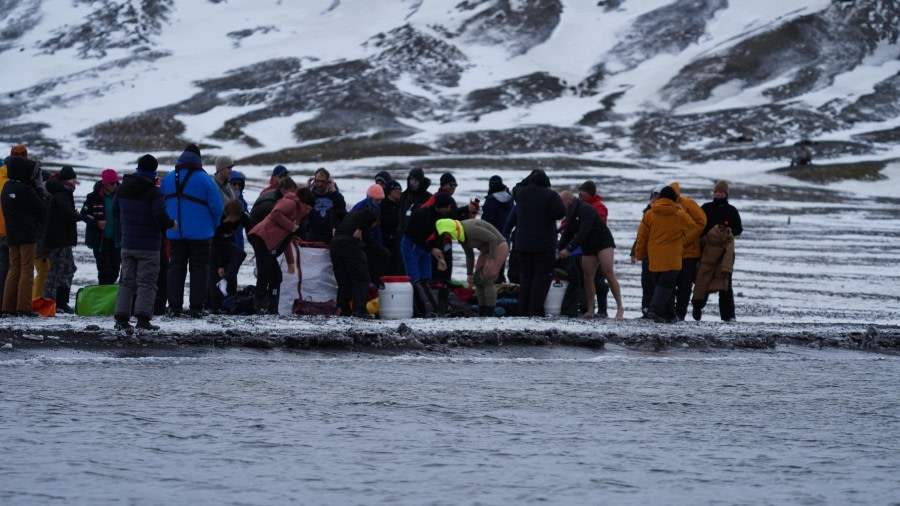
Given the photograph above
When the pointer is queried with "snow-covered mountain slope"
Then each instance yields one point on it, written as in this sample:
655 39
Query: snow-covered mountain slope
311 80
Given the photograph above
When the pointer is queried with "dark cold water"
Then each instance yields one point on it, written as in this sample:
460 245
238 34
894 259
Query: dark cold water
786 427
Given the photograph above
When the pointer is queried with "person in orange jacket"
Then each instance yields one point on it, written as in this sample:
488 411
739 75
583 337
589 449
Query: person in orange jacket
691 256
661 237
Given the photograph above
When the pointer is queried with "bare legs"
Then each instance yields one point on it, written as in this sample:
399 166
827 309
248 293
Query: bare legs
604 260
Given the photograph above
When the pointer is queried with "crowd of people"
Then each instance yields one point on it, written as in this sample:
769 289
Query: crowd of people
150 236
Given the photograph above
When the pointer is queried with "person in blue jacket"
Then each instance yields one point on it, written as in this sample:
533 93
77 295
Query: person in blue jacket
194 202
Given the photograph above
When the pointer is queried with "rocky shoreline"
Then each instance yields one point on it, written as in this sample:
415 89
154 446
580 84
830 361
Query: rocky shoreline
437 336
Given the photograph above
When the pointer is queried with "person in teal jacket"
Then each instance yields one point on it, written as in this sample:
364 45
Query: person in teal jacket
194 202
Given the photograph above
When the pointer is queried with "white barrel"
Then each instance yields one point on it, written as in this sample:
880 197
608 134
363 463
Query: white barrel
395 300
554 300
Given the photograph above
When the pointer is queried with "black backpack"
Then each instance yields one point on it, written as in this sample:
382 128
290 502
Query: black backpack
263 206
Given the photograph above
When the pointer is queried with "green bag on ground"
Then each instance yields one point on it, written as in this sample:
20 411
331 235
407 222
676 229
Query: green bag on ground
96 300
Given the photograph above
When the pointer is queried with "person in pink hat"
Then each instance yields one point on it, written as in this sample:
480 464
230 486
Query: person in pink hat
102 232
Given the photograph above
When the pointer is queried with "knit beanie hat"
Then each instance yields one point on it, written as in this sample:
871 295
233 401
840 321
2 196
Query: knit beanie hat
391 185
588 187
668 193
656 189
375 192
66 174
447 177
147 165
109 176
223 162
279 170
19 150
721 186
442 199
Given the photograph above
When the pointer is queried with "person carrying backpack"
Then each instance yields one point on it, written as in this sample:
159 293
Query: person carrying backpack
194 202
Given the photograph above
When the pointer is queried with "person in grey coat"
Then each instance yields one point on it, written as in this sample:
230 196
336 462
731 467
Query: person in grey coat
140 207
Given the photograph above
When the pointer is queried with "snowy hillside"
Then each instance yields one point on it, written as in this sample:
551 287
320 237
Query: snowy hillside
296 81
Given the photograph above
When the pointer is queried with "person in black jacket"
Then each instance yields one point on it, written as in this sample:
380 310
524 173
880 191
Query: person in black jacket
720 212
390 227
497 205
348 257
140 207
586 230
412 198
538 208
227 257
24 210
102 233
420 245
60 236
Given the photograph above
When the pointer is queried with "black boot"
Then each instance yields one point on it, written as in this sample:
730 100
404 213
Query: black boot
143 323
122 323
272 303
62 299
260 305
697 310
360 298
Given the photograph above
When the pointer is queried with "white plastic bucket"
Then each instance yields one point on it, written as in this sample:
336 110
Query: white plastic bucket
554 300
395 300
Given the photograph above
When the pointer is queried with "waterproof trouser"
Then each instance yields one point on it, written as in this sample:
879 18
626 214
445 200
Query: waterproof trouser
109 260
61 273
663 302
535 278
684 285
351 271
140 270
196 255
268 277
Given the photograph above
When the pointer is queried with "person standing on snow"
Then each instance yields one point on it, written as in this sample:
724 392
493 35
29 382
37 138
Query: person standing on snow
538 208
685 283
497 205
329 210
222 178
412 198
720 212
349 247
194 202
101 232
585 229
60 236
238 181
660 238
140 207
390 226
587 193
24 211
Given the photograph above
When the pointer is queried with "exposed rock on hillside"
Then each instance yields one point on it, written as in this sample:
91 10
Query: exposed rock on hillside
429 59
533 139
113 24
515 25
519 92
